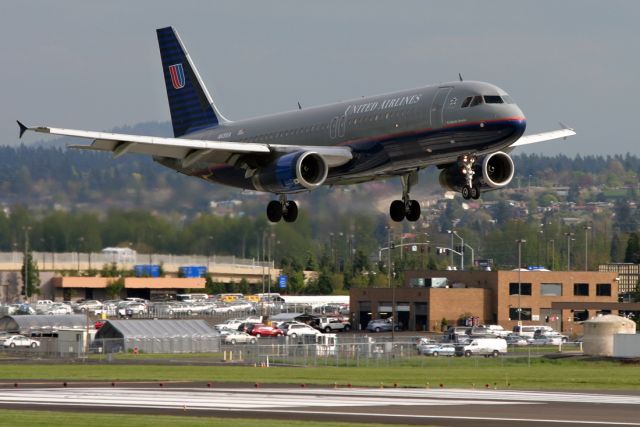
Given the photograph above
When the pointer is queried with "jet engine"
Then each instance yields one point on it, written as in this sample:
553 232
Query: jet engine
299 171
491 172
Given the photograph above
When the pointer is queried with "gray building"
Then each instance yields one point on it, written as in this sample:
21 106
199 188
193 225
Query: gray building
157 336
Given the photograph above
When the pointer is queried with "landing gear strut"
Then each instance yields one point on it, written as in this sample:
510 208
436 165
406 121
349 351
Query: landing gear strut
282 209
469 191
406 208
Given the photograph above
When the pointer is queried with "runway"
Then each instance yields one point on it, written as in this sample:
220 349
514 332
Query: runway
446 407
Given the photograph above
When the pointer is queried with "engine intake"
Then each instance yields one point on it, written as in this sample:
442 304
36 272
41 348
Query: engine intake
292 172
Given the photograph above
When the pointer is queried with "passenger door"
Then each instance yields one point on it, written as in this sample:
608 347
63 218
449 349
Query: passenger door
437 112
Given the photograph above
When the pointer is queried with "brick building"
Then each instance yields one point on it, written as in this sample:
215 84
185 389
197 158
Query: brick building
557 299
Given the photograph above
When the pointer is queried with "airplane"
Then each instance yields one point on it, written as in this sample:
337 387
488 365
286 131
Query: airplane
465 128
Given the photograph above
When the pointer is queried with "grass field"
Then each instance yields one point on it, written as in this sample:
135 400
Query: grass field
520 373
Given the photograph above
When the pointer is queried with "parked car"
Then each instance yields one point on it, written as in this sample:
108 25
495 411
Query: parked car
266 331
237 337
99 324
330 324
440 349
20 341
381 325
55 308
299 329
424 343
516 340
90 305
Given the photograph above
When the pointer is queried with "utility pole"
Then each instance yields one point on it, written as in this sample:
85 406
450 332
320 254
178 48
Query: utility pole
520 242
26 261
586 247
569 236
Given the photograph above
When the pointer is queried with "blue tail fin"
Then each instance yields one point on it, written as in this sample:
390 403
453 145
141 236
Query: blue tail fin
190 104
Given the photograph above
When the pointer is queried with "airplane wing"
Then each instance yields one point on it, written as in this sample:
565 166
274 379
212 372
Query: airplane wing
188 151
563 133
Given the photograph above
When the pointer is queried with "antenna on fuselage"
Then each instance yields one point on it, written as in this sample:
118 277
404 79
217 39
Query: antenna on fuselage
460 77
299 106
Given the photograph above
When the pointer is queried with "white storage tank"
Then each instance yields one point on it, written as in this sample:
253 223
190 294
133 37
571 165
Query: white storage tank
599 332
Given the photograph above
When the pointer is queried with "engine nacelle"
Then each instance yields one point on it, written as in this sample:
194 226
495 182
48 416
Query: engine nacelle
491 172
292 172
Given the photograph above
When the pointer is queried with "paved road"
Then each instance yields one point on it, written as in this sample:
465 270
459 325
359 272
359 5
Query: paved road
445 407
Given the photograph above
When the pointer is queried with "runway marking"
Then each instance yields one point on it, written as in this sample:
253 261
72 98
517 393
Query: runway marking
295 401
215 399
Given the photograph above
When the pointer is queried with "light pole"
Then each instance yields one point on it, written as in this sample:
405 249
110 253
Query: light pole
26 261
569 236
451 253
454 232
586 247
472 254
520 242
389 255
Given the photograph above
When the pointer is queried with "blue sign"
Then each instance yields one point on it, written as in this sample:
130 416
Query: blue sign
282 281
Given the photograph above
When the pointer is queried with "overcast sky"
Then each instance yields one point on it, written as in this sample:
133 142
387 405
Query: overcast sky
95 65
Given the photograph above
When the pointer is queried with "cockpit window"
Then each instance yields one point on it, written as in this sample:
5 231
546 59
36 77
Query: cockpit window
493 99
466 102
477 100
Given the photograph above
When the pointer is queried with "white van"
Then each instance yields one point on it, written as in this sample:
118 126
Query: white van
528 331
483 346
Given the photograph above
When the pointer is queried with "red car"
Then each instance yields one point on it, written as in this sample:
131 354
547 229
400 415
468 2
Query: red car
266 331
99 324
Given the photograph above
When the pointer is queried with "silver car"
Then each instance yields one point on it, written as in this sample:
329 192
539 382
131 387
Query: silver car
239 337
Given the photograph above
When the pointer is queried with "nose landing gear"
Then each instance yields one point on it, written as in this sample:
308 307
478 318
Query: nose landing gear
469 191
406 208
282 209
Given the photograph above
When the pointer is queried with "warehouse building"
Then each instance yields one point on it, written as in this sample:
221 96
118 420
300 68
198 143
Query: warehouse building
157 336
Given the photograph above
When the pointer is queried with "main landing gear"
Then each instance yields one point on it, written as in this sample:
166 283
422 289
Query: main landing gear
282 209
406 208
469 191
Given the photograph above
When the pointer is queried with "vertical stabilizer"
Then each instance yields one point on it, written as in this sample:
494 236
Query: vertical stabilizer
190 104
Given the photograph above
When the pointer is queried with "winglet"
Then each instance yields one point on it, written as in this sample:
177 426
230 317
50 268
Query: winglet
564 126
23 128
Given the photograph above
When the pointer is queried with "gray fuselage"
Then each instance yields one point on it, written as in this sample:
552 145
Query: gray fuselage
389 134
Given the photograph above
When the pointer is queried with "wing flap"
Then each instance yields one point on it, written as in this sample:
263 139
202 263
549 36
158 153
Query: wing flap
189 151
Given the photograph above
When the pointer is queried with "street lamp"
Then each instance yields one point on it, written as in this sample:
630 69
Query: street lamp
451 252
454 232
26 261
520 242
389 255
569 238
586 247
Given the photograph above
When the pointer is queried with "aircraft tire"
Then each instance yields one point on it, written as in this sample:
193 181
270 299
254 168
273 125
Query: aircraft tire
475 193
274 211
396 210
291 213
466 192
414 211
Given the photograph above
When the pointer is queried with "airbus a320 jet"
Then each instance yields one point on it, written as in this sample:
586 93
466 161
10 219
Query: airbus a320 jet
465 128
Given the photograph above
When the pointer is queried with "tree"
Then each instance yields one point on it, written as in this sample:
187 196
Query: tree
30 276
632 253
614 253
324 285
115 287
